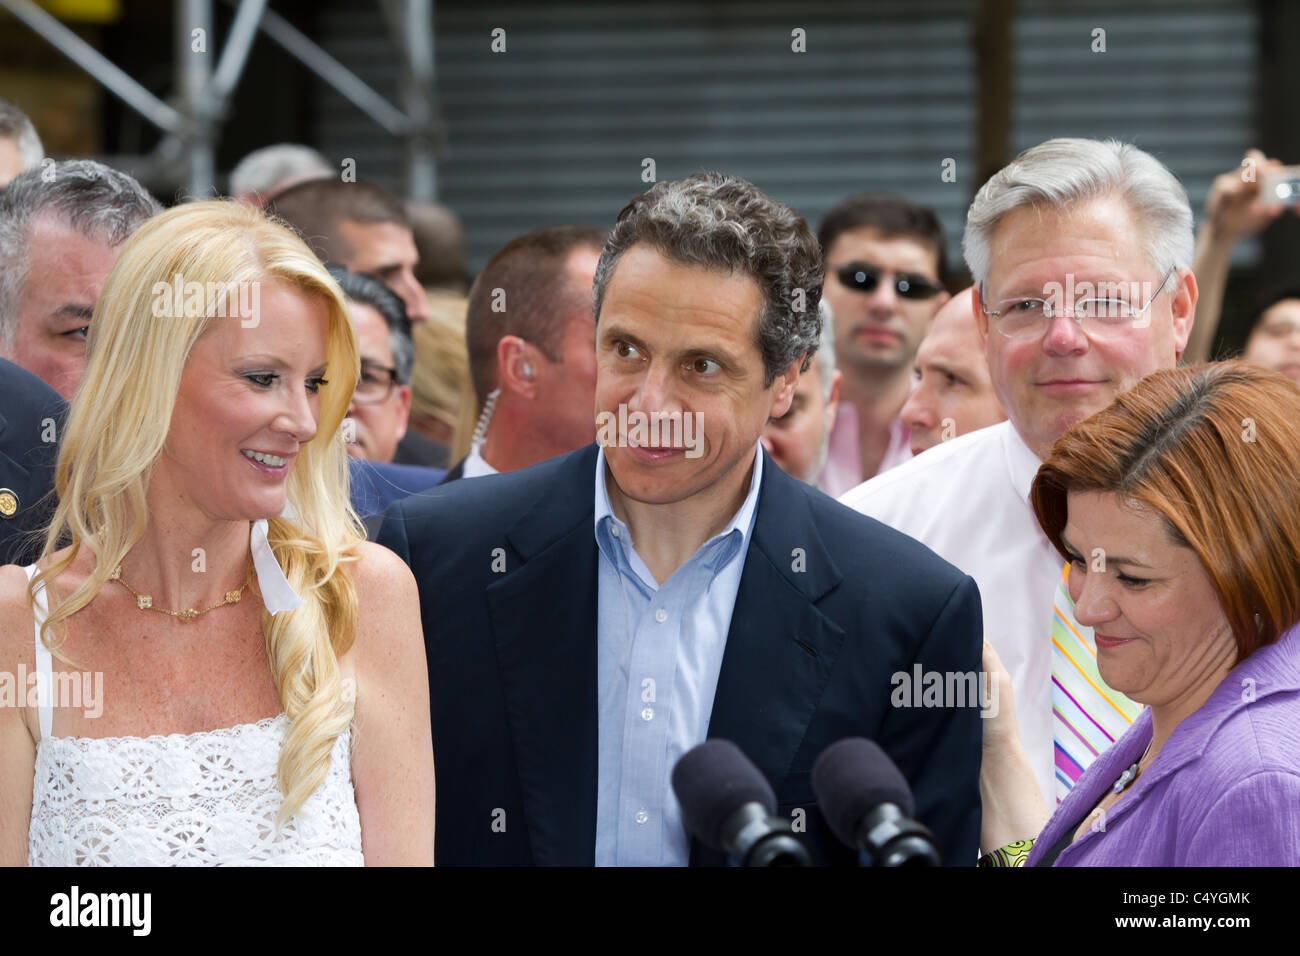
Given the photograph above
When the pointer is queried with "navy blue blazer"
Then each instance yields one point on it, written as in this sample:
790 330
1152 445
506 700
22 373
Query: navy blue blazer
376 485
831 604
455 473
27 460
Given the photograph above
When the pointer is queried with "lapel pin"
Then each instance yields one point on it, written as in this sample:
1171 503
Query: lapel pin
8 503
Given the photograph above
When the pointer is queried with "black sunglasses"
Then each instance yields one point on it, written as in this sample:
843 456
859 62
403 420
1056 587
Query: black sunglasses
861 277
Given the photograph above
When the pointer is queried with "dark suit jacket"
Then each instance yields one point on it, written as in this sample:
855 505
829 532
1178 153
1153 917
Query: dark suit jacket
416 448
26 459
456 473
831 604
375 485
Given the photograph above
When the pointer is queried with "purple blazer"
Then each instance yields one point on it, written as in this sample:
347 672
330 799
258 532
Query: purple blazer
1224 791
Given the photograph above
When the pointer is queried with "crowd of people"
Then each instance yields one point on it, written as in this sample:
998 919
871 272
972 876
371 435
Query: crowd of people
331 515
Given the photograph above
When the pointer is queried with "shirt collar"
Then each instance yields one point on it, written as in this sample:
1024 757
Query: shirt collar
476 465
741 523
1021 461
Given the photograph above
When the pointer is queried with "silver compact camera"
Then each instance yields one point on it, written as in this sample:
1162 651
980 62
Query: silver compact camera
1281 185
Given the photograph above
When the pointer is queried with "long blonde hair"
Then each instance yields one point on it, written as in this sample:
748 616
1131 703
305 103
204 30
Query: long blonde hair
120 419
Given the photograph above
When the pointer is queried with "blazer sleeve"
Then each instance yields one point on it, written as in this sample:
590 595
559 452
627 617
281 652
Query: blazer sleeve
938 749
1256 823
392 532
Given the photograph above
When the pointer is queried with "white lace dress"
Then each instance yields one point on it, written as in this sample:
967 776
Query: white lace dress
203 799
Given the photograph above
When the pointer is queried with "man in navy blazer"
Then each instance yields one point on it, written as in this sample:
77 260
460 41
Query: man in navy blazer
31 419
589 619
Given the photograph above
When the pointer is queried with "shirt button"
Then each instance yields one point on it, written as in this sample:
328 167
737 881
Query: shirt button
615 532
648 713
661 615
641 816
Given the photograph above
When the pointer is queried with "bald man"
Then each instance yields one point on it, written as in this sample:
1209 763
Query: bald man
954 394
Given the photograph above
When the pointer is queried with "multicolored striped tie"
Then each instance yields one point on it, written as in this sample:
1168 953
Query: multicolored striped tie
1087 715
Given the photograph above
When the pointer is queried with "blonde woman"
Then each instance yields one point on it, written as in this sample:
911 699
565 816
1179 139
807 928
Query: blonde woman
251 671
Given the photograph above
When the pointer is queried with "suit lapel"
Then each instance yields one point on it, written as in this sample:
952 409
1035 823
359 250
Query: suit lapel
544 623
780 647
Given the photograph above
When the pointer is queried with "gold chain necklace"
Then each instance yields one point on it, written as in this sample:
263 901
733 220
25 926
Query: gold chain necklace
145 602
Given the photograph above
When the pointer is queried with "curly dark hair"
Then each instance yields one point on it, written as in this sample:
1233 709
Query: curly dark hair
723 222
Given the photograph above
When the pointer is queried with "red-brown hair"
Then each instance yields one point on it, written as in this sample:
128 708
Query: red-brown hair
1215 449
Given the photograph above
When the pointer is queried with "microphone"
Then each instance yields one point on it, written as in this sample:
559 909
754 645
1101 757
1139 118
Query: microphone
729 805
868 805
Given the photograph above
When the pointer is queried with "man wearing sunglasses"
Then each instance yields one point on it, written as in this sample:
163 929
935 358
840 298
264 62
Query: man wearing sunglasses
884 260
1081 252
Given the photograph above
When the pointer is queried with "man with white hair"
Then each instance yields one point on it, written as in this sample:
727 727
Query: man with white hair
799 440
272 169
1081 253
20 146
60 234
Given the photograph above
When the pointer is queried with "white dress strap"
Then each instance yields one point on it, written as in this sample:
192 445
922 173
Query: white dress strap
44 663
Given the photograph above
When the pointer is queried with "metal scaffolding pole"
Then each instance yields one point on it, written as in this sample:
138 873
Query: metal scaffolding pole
97 65
343 80
235 54
410 23
193 73
204 91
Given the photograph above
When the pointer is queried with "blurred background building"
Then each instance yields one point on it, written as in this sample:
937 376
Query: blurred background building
553 119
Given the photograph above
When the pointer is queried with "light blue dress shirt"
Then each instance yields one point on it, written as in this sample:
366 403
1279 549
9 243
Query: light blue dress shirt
659 651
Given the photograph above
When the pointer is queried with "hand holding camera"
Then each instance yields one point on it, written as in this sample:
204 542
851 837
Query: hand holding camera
1242 202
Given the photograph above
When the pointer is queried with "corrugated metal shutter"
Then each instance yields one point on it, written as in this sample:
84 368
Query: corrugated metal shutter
1177 78
355 34
555 129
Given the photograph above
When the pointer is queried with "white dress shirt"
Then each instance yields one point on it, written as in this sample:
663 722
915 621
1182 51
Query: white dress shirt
475 465
967 499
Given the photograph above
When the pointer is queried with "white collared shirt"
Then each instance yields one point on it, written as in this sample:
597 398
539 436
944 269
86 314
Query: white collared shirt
967 499
476 466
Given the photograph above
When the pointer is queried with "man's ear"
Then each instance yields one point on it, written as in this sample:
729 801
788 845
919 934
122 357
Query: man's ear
833 403
1183 311
784 385
403 410
515 358
981 319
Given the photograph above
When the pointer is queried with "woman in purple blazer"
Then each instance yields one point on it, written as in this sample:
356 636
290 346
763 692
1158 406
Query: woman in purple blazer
1188 489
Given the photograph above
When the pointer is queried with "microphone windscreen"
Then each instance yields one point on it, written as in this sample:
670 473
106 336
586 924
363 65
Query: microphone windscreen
850 778
714 780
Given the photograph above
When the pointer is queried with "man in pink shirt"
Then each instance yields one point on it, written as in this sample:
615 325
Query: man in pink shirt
885 265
